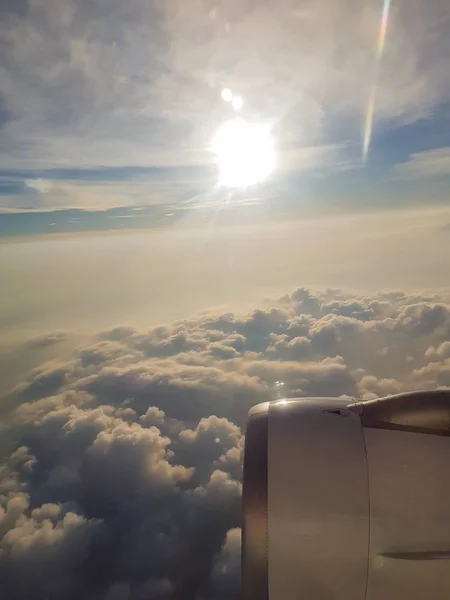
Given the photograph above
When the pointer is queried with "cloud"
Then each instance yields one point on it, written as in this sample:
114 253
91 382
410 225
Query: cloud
299 159
226 574
430 163
47 543
121 466
49 193
441 352
45 341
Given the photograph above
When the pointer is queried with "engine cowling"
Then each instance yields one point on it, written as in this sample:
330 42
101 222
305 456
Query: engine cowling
348 500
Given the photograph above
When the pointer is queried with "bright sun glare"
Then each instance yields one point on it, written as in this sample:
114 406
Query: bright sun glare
244 152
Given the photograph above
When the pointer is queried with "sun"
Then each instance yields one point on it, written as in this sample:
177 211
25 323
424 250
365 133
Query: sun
244 153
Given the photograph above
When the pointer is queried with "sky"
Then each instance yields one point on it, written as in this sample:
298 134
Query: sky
104 106
160 275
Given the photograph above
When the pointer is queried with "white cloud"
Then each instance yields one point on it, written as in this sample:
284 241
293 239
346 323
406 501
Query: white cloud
428 163
441 352
227 567
325 157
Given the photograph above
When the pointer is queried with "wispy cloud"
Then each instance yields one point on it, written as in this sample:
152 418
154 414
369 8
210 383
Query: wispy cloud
100 188
428 163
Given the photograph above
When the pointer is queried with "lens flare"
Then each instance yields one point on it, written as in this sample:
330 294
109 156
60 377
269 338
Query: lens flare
227 95
368 125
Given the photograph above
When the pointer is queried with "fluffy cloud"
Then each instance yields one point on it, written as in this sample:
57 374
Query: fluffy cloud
227 567
42 548
121 467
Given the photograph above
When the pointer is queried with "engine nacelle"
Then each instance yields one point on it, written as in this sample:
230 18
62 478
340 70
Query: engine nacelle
348 500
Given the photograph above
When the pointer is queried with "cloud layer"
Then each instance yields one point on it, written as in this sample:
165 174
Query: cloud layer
121 468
